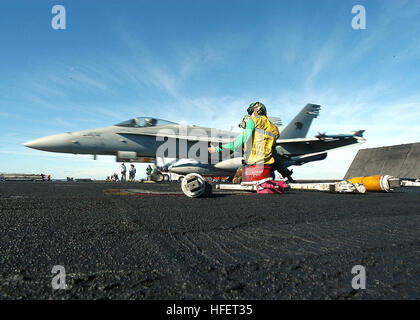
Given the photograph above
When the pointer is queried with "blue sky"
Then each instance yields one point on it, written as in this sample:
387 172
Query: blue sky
203 62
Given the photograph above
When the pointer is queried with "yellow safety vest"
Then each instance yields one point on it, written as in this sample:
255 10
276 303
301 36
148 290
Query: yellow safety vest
263 141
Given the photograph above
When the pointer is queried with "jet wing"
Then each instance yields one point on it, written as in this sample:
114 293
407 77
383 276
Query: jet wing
195 134
184 137
318 144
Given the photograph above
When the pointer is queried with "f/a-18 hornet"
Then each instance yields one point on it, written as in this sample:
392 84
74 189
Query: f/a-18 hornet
144 139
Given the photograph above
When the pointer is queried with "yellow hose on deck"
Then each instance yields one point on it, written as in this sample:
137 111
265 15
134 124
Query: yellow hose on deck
373 183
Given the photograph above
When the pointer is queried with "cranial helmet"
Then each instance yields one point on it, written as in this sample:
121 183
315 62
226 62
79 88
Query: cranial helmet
259 107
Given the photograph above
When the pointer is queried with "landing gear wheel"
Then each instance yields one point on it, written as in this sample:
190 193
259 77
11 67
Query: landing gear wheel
193 185
157 177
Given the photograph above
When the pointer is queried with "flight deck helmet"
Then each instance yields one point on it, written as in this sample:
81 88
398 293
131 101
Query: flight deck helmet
259 107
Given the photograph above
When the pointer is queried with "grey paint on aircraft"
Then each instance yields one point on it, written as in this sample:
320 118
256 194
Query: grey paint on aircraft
299 126
143 136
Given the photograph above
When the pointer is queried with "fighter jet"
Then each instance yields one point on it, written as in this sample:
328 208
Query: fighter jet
144 139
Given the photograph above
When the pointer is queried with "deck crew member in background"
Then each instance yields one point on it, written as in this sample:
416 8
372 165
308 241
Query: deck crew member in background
123 172
132 173
149 172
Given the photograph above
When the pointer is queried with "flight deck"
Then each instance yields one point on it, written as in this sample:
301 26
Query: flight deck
164 245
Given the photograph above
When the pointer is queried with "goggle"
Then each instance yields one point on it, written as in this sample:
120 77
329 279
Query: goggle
250 109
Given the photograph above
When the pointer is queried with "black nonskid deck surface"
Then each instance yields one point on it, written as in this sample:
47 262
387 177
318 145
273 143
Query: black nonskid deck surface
116 245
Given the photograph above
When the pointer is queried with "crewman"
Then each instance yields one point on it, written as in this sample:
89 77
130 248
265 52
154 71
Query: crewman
149 172
261 149
258 139
132 173
123 172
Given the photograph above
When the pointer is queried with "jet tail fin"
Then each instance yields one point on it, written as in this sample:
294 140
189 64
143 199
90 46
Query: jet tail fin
358 133
299 126
277 122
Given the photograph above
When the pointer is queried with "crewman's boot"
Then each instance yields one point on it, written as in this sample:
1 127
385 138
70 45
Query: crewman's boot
286 173
237 179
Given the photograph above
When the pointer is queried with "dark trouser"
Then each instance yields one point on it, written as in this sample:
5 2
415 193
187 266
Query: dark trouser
277 165
281 168
237 179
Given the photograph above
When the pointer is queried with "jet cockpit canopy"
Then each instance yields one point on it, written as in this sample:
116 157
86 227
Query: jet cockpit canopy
145 122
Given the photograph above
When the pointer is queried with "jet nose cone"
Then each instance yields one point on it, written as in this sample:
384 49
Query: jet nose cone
31 144
55 143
